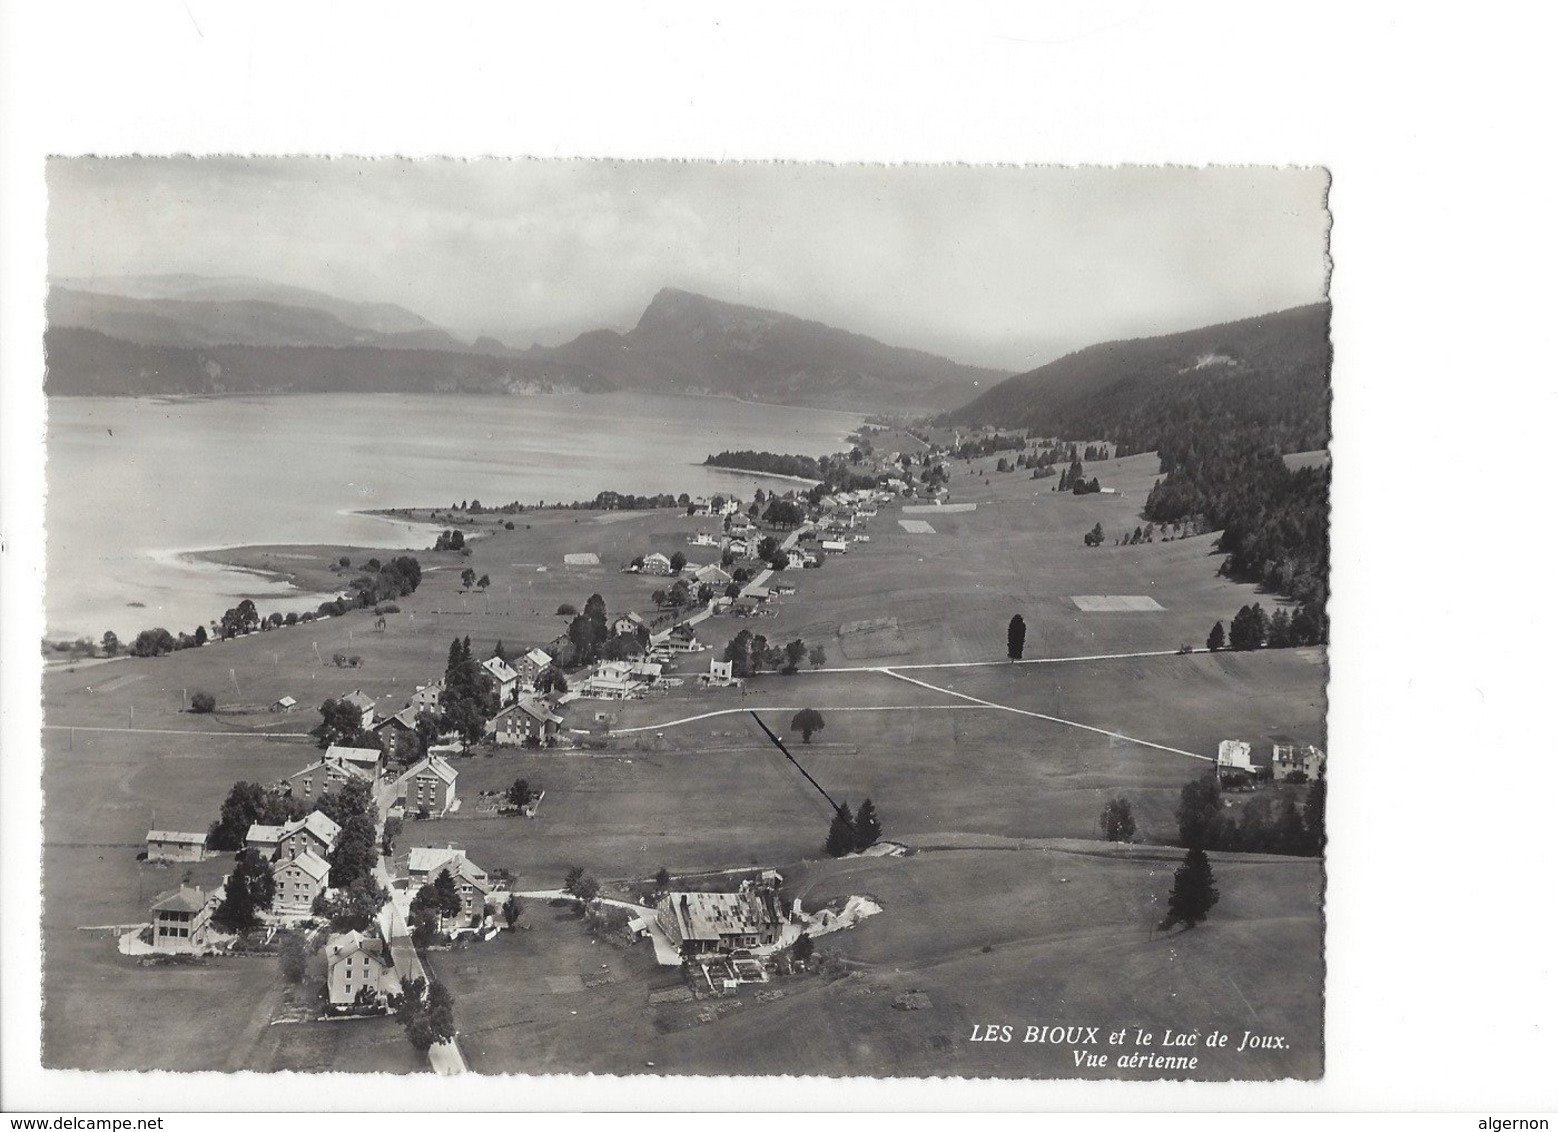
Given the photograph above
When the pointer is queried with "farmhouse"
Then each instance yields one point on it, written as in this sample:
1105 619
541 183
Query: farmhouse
713 574
529 718
835 546
473 883
358 963
1290 758
656 563
171 845
298 881
181 920
319 778
502 679
365 759
713 923
363 704
429 785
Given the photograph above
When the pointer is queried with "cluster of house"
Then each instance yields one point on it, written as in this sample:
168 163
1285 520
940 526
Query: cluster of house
1239 765
524 716
298 851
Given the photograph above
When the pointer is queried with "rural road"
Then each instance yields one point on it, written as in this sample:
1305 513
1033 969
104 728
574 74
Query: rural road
973 702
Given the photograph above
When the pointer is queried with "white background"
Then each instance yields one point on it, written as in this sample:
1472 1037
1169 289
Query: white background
1436 125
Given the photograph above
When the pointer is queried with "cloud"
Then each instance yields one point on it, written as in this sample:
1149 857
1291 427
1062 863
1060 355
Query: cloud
1002 265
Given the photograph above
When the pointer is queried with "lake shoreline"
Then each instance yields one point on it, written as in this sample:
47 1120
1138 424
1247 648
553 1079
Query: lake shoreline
259 474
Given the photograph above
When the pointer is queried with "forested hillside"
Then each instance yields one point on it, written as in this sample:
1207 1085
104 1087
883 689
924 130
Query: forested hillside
1220 406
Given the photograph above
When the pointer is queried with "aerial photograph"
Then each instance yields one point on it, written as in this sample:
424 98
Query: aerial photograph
685 618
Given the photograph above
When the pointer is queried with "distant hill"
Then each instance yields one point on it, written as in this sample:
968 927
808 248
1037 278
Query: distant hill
689 343
188 334
84 362
226 322
376 318
1270 374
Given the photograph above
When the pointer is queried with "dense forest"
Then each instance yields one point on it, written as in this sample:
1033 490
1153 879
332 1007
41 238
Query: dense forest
770 463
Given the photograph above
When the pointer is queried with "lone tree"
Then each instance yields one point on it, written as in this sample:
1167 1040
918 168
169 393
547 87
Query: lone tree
818 656
1216 638
512 910
250 887
1193 893
807 721
841 834
868 827
1116 821
426 1013
1016 637
202 703
294 956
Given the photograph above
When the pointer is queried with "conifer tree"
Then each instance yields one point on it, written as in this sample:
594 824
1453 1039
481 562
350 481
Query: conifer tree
1193 894
841 834
868 827
1216 638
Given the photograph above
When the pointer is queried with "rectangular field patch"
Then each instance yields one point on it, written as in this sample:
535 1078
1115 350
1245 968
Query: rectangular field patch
870 640
1116 603
585 559
917 526
944 508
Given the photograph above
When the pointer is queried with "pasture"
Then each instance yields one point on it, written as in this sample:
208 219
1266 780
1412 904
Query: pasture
1055 933
985 755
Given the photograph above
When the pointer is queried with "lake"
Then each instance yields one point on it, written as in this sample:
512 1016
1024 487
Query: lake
134 484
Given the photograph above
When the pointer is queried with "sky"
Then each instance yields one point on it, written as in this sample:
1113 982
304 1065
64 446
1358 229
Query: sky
1004 266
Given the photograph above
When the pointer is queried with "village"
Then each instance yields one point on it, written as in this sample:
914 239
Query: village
720 940
722 618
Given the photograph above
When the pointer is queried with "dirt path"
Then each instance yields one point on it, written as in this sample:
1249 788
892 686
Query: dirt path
1049 718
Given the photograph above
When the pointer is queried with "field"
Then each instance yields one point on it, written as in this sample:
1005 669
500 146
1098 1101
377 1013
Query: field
1066 943
993 772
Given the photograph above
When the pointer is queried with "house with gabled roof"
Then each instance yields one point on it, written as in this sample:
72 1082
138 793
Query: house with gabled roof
501 678
528 718
392 727
655 563
714 923
181 920
428 785
470 879
1294 758
319 778
427 697
628 624
531 665
362 703
173 845
366 759
355 962
298 881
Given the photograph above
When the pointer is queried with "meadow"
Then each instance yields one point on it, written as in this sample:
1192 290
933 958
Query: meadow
981 793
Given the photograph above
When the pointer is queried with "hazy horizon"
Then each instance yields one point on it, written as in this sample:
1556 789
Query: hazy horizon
1007 267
